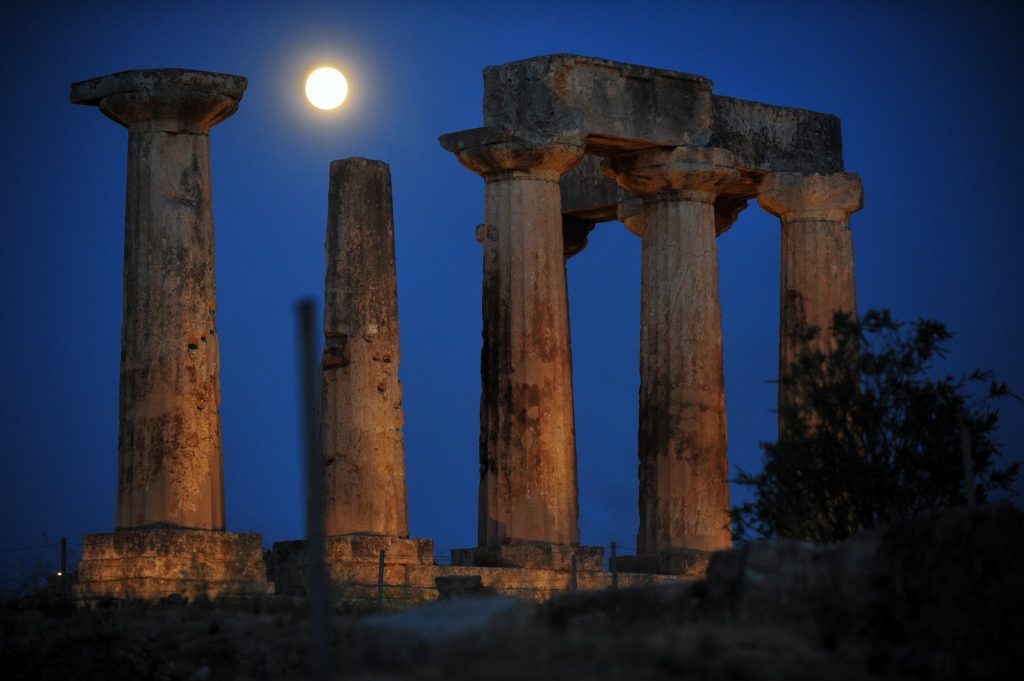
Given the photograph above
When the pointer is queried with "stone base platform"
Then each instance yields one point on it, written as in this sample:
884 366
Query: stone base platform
410 575
148 564
531 554
350 558
689 563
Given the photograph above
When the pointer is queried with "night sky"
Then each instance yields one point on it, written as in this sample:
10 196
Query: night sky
930 96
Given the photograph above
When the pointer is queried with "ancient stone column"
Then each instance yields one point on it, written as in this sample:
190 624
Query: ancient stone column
360 396
817 254
684 491
169 445
528 489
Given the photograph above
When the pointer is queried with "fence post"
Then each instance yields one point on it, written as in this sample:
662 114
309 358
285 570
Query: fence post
615 569
317 595
380 582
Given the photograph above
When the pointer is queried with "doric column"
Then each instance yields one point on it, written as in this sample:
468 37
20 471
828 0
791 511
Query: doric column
684 491
169 446
817 253
361 399
528 486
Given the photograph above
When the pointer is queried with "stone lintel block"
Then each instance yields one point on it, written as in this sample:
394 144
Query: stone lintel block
148 564
772 138
689 563
173 99
613 103
625 106
360 547
536 555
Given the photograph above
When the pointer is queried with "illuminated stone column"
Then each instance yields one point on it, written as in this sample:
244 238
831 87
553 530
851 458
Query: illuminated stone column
169 446
817 254
170 536
528 489
361 399
684 491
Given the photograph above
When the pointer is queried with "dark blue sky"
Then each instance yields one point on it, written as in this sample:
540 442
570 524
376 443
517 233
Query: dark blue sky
930 99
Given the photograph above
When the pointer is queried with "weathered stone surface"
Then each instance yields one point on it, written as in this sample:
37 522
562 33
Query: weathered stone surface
361 416
354 583
163 100
150 564
527 434
618 107
459 586
614 104
775 138
539 555
689 563
589 195
817 267
350 558
169 445
684 492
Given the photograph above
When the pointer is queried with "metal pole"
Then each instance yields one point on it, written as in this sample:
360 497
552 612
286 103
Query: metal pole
572 578
317 573
615 569
380 582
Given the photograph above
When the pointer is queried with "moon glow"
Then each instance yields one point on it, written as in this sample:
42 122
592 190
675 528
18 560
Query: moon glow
326 88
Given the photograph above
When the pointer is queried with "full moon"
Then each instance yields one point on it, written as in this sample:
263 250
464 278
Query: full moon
326 88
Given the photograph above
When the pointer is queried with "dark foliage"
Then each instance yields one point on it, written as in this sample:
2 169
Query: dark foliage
868 436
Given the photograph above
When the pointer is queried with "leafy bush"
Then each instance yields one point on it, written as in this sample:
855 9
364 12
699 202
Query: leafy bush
866 436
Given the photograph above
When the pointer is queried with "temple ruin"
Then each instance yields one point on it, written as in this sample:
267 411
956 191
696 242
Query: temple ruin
567 142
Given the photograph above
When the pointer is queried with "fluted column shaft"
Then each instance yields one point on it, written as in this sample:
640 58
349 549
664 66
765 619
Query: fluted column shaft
817 266
361 415
682 443
170 469
528 484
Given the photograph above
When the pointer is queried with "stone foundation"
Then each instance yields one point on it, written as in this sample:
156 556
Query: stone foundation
533 571
533 554
688 563
150 564
352 559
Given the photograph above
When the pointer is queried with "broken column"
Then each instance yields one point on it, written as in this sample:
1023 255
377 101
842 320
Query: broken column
528 490
817 254
360 396
170 471
684 490
361 415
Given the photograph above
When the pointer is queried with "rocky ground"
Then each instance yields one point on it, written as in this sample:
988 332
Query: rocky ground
940 597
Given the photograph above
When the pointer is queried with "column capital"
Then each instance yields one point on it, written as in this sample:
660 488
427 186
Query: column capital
548 161
163 100
693 173
501 154
794 196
